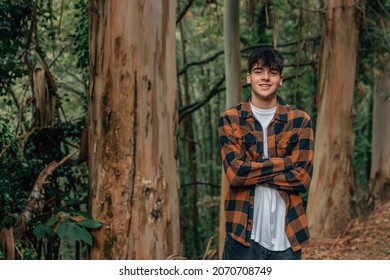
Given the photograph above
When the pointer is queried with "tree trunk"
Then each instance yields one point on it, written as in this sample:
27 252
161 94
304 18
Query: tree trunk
333 180
233 87
132 130
189 152
7 242
379 187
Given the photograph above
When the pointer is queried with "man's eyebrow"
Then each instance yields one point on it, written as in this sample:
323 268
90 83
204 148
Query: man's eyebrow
263 67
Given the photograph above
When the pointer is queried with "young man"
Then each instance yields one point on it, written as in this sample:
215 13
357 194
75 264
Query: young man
267 153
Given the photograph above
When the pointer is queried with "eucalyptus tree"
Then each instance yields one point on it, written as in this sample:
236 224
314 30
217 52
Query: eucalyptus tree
333 179
231 25
379 186
379 174
132 129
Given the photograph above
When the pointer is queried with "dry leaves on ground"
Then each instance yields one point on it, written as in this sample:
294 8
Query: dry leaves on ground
367 239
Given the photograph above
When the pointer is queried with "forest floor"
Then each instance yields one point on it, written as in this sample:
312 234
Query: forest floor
364 239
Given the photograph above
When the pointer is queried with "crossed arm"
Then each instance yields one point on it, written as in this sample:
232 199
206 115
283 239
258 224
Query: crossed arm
289 173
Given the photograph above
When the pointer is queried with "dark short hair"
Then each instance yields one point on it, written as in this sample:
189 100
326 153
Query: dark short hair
267 57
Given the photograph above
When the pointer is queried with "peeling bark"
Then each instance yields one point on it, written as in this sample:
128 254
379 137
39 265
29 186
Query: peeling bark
45 100
333 181
132 155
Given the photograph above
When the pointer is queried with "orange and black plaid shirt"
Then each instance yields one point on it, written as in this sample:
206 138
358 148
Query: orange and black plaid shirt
288 168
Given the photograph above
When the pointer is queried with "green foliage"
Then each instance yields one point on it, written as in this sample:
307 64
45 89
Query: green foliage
80 37
373 58
296 33
200 36
73 226
61 224
362 151
16 169
25 250
14 16
65 193
62 46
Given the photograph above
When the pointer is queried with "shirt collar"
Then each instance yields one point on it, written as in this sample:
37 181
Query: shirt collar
280 113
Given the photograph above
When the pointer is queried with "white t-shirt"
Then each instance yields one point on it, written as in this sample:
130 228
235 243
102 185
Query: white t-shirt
269 215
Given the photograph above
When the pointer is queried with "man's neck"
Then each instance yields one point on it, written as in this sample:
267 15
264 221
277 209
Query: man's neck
264 103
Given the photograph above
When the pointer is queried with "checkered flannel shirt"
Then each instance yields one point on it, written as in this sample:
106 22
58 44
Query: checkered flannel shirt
288 168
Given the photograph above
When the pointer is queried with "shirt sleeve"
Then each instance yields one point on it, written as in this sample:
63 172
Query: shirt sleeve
289 173
298 178
240 171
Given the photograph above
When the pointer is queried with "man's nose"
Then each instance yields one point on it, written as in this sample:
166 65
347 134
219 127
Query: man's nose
265 75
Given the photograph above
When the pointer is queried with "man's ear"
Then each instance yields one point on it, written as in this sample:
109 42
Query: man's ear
248 78
281 80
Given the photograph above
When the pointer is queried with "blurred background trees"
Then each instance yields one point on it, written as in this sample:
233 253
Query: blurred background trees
44 87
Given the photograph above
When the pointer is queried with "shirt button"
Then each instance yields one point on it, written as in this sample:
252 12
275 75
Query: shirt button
261 133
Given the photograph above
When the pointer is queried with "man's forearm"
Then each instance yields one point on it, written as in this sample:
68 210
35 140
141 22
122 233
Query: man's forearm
243 172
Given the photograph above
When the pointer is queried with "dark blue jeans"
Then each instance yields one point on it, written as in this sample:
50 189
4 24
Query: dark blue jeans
234 250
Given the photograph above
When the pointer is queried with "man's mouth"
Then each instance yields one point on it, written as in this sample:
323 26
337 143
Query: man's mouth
265 86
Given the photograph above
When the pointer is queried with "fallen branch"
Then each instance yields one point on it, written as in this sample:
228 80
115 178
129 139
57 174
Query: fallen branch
328 242
206 252
35 196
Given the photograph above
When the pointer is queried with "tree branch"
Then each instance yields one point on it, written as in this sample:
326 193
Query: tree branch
217 54
201 62
200 183
189 109
5 149
31 30
35 196
58 56
184 11
186 110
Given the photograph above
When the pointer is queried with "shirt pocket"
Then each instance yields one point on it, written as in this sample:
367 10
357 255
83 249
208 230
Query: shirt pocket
286 145
247 141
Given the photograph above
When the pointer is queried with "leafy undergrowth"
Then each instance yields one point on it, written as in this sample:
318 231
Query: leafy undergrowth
367 239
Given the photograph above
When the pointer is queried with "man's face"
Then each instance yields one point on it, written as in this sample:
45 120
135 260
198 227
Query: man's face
265 82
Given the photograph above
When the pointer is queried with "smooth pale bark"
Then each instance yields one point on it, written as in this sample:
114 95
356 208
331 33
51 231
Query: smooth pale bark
132 129
328 204
379 188
233 87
